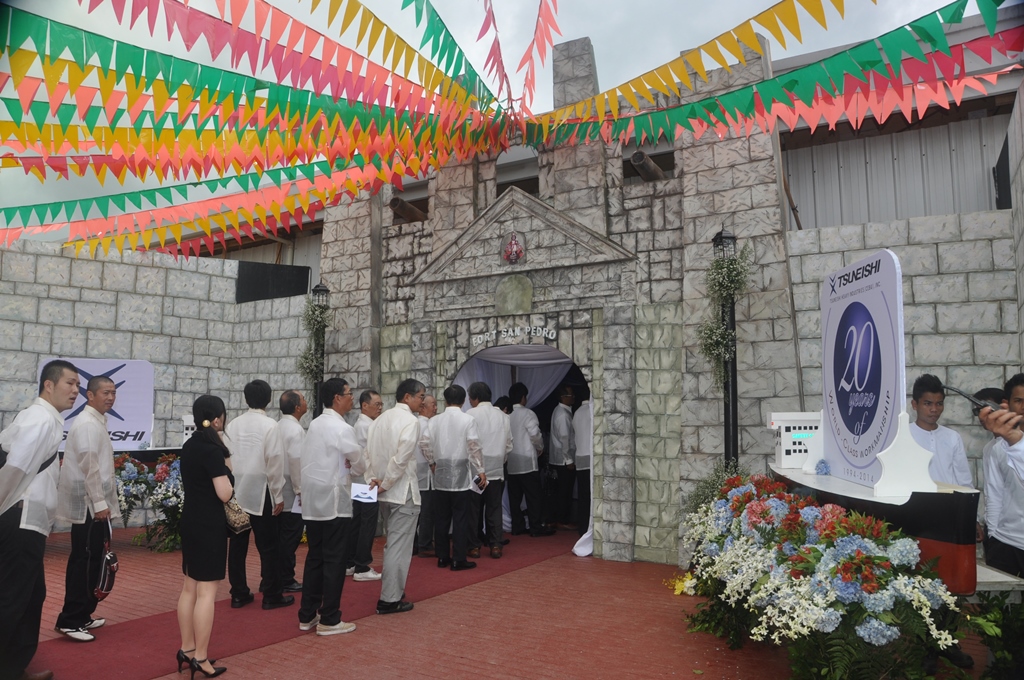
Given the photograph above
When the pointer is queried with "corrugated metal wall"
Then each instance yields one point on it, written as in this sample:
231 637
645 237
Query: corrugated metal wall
934 171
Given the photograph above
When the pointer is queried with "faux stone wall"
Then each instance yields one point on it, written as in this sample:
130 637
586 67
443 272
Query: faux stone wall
180 315
1015 136
960 305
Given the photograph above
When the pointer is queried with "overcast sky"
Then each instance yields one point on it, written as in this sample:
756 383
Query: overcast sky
629 38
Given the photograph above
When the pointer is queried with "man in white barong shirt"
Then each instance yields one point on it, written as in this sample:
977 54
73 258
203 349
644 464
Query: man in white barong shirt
28 507
562 458
329 451
523 474
364 515
458 464
87 499
290 434
391 456
258 465
949 459
492 425
1004 495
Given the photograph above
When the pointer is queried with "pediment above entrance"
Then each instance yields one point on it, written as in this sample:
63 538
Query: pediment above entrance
549 238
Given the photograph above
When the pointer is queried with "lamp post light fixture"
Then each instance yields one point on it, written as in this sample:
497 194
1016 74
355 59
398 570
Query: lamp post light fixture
724 244
320 296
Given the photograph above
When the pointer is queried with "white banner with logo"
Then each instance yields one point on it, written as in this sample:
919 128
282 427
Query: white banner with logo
130 421
863 366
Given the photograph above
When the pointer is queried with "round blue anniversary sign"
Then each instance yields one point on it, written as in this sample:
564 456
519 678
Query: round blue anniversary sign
857 368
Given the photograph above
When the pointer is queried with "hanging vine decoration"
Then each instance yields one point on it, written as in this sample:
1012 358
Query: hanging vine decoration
315 319
725 279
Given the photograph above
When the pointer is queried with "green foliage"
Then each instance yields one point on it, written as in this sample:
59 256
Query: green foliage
1000 625
720 618
728 277
164 533
707 489
315 319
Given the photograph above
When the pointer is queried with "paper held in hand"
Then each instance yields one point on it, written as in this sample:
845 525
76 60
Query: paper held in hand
363 493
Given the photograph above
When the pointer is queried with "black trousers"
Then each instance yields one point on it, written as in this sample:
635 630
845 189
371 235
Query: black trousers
323 577
1003 557
583 500
266 530
475 531
425 530
451 508
238 550
490 499
291 526
82 571
22 594
565 479
364 529
528 485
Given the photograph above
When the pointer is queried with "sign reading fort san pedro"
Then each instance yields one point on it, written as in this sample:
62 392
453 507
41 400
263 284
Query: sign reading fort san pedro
863 365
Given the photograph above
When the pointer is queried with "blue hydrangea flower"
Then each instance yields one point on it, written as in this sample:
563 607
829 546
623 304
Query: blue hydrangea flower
740 490
129 472
778 508
879 602
810 515
712 549
904 552
822 468
812 537
877 633
728 543
849 545
788 549
829 621
847 592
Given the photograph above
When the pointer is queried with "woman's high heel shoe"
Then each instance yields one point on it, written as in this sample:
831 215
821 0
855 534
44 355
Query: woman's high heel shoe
196 666
182 659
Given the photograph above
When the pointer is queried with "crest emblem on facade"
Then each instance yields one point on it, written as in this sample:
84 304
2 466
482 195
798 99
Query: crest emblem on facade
514 250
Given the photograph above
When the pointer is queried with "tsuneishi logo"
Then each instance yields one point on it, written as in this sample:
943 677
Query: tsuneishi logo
857 372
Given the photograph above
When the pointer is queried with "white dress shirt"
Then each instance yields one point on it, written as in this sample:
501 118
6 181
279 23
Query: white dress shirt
495 437
31 440
290 435
391 454
562 443
258 460
527 442
456 446
87 474
362 428
1004 496
423 474
583 429
949 460
326 486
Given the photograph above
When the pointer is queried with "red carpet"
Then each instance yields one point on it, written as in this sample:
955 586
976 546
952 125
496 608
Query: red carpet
144 648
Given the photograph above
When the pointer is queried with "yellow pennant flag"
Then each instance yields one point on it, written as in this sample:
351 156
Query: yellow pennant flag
694 59
175 231
376 28
332 11
20 62
713 51
732 46
786 13
76 75
840 7
653 80
352 8
678 67
665 73
771 24
105 242
161 235
630 95
364 23
816 10
748 37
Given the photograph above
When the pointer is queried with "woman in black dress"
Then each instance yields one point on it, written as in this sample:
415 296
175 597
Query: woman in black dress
207 484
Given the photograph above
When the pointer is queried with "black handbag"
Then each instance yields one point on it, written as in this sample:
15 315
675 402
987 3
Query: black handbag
104 581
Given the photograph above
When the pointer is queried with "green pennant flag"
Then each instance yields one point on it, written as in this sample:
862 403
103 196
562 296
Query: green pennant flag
129 57
177 125
209 80
100 46
26 27
69 209
54 210
274 176
158 67
895 43
839 65
10 214
148 195
164 193
325 167
40 212
929 29
953 13
182 71
180 190
289 172
868 58
989 10
25 213
65 114
118 201
741 101
118 115
13 109
5 24
86 205
39 111
772 90
308 171
140 121
135 199
65 37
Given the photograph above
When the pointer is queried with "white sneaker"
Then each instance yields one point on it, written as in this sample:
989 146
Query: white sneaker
311 625
337 629
350 571
79 634
370 575
95 623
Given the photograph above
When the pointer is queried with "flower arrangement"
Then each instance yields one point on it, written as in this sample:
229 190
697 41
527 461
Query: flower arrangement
842 590
167 497
134 483
725 279
315 319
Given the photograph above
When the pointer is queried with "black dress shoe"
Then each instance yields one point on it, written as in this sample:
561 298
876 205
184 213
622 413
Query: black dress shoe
543 531
278 602
442 563
463 565
239 602
293 587
520 532
393 607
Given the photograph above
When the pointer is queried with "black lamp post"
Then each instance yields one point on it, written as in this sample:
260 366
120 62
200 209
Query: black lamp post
319 295
724 244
